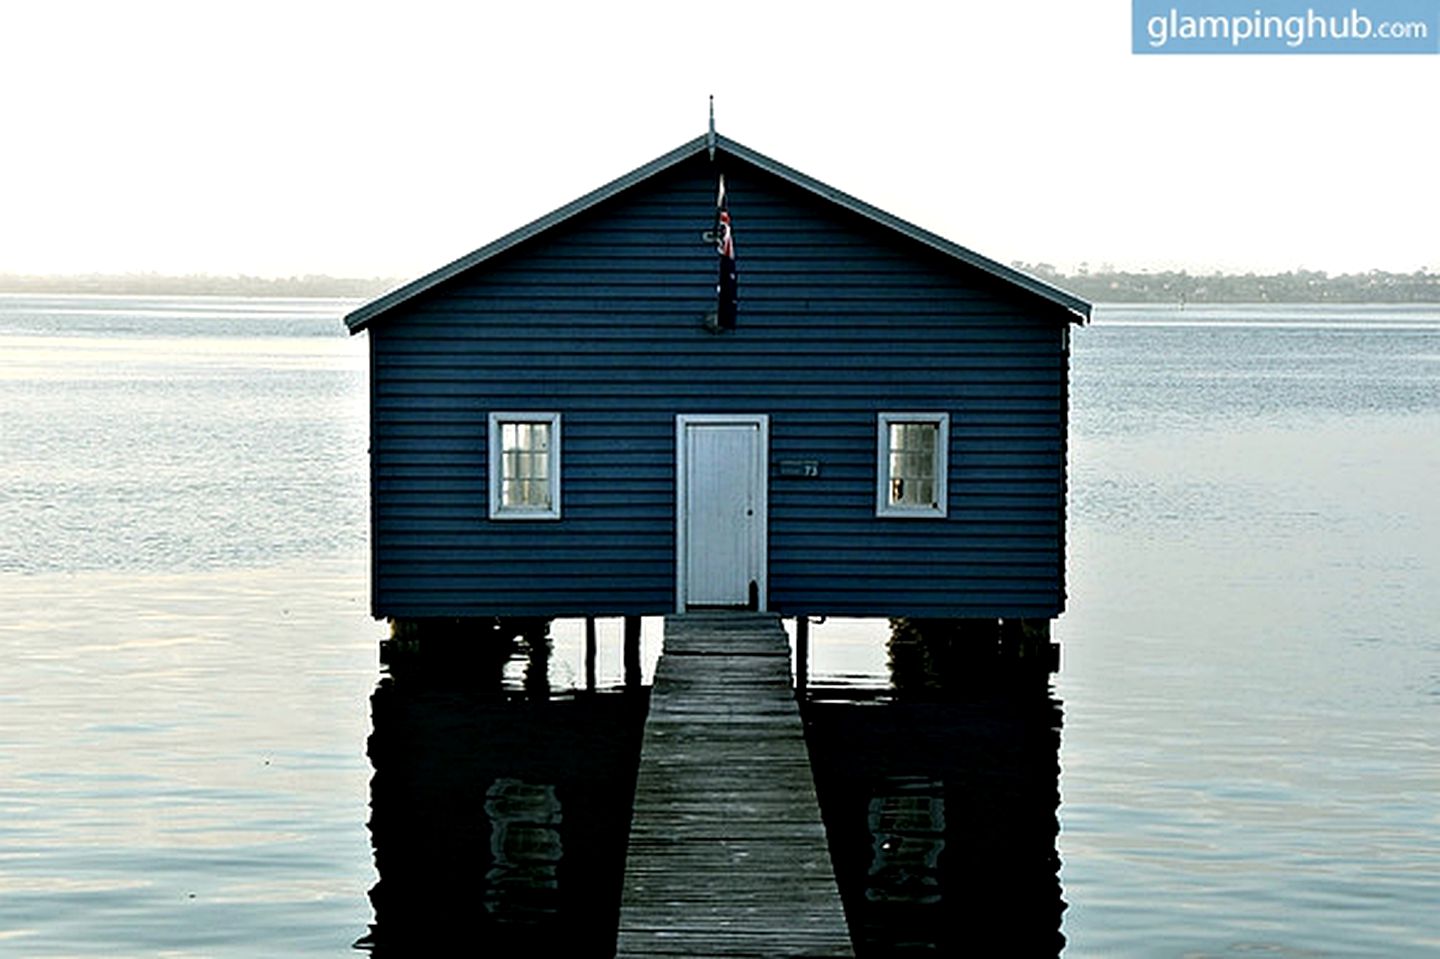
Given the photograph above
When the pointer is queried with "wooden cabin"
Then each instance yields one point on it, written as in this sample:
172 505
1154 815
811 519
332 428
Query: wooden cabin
565 422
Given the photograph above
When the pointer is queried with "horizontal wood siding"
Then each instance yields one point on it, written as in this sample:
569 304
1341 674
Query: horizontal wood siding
600 320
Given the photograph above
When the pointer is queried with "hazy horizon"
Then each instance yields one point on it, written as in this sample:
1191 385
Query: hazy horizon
1081 270
1163 287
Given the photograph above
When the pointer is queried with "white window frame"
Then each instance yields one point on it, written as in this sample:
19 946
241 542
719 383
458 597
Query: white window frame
495 466
883 506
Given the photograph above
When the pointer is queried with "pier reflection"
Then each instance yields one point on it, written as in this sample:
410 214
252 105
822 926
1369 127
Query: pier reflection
499 809
940 793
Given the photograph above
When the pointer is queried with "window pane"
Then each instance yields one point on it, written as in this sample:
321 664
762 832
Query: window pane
913 463
525 465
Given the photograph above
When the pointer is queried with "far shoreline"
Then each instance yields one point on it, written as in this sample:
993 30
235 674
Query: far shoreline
1161 287
155 284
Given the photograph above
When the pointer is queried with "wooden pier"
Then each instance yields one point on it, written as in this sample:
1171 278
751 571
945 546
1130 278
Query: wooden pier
727 853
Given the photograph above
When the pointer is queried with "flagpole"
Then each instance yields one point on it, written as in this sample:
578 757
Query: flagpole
710 137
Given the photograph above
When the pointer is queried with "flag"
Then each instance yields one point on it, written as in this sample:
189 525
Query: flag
727 298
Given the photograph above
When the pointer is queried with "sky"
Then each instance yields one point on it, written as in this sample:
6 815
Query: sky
369 139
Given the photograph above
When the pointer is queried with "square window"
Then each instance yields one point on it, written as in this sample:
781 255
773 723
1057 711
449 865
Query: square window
524 465
911 461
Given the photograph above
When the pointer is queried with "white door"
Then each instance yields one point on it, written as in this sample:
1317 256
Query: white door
720 530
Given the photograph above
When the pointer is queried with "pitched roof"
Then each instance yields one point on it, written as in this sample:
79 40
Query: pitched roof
367 314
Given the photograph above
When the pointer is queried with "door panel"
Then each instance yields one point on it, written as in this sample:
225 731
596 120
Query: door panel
721 513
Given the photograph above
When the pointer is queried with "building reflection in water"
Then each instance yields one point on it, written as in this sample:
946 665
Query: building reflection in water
499 811
940 792
500 801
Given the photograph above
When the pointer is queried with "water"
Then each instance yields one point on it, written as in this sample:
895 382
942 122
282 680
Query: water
156 434
1247 764
1252 679
940 803
499 820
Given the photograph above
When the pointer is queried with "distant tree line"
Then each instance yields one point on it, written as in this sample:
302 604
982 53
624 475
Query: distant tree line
198 284
1298 286
1103 286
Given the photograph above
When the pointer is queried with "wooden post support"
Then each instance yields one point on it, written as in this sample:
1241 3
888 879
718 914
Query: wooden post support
632 652
802 654
590 654
1027 644
535 633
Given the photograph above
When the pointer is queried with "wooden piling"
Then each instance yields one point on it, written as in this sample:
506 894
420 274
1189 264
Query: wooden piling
802 653
632 652
590 654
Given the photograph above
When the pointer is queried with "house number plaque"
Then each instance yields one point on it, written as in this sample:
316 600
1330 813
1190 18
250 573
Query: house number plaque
806 468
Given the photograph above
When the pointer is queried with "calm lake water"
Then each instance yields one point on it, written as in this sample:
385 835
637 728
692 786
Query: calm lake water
200 754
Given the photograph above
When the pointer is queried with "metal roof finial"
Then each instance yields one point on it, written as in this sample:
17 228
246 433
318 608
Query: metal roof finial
710 137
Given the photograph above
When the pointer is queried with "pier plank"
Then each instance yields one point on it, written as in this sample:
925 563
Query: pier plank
727 854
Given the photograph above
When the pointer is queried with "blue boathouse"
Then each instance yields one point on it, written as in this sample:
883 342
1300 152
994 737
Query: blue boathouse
565 422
